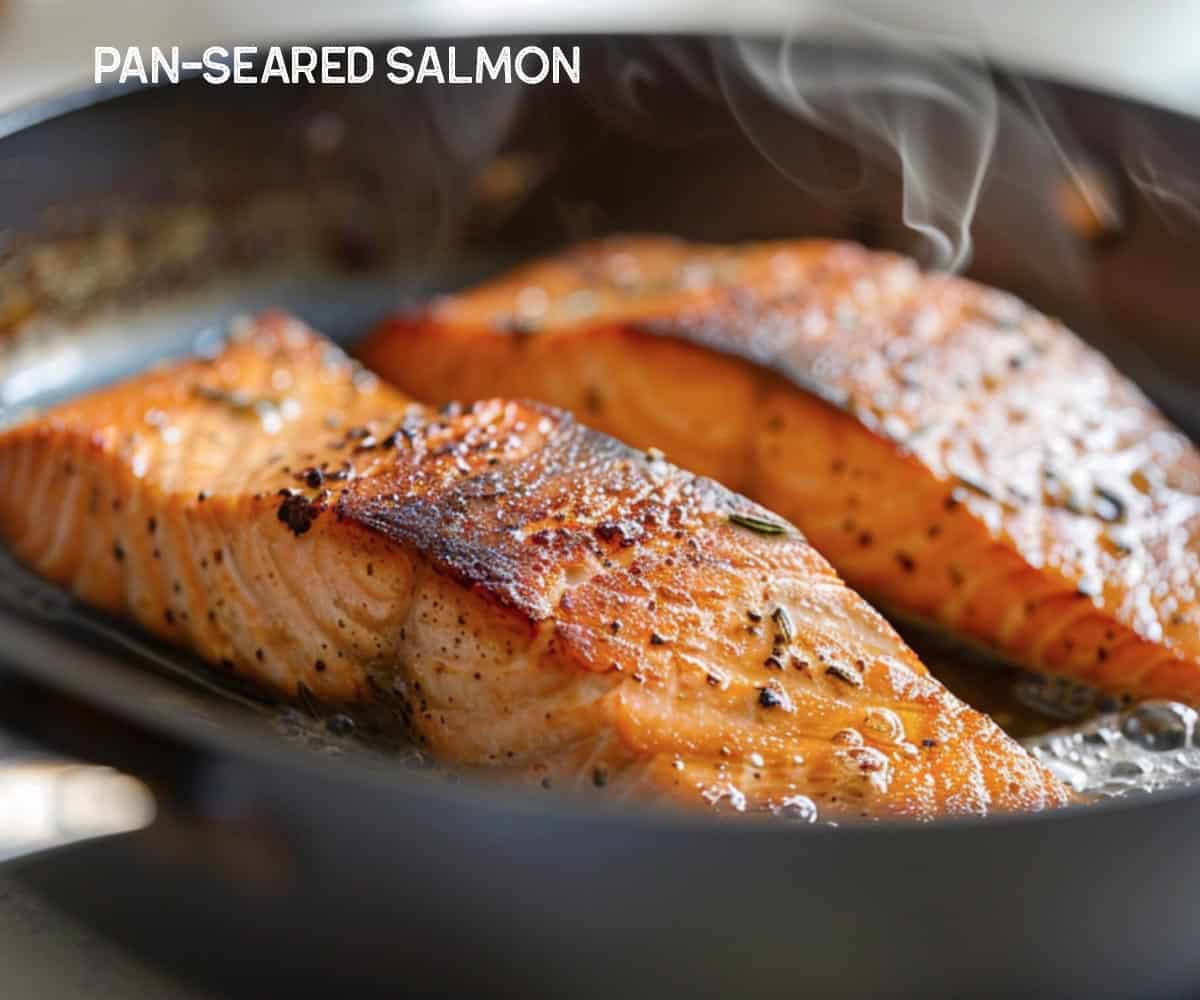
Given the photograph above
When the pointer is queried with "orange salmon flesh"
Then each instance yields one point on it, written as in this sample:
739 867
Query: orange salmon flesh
960 459
529 595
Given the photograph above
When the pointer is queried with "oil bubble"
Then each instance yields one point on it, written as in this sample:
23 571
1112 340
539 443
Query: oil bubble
1159 725
796 807
884 725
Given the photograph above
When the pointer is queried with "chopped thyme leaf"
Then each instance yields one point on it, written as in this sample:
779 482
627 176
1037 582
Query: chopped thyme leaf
782 619
761 525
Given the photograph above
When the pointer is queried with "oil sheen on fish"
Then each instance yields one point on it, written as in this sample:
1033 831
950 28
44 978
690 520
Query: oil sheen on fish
958 457
530 595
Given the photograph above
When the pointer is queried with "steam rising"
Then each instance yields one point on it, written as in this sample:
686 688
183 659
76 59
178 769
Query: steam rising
889 95
972 155
1166 179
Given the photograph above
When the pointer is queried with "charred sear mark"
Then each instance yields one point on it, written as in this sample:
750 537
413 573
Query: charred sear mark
561 495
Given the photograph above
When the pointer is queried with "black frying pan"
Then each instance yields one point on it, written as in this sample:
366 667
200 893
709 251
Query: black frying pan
290 861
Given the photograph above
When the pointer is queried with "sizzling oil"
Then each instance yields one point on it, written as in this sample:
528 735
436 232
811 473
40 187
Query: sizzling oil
1100 748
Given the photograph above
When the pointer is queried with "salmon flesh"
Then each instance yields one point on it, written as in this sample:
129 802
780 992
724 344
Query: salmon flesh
961 460
528 595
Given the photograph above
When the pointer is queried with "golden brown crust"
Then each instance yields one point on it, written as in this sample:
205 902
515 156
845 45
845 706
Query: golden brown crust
508 493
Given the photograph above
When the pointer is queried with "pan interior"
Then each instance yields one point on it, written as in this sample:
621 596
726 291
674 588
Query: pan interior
1077 732
562 172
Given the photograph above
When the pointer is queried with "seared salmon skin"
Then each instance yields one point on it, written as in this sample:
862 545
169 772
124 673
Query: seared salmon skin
528 595
960 459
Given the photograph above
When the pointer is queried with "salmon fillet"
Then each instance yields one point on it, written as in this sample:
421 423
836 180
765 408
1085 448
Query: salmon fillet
527 594
959 458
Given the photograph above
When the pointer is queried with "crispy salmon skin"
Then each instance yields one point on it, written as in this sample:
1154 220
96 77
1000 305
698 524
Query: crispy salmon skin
960 458
531 595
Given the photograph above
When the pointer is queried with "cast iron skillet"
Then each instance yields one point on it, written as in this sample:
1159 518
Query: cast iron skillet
137 225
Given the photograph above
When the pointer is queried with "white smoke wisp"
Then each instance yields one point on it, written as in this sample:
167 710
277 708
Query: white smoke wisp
895 96
1166 179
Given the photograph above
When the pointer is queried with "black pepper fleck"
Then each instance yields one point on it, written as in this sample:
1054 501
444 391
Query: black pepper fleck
769 698
297 513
